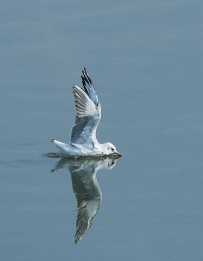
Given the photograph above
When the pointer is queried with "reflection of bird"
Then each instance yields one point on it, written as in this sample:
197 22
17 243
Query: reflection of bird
86 188
83 137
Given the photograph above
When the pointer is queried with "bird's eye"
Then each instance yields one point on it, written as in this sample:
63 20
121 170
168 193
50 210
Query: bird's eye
112 149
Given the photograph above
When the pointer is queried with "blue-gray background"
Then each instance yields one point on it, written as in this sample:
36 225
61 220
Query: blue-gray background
145 58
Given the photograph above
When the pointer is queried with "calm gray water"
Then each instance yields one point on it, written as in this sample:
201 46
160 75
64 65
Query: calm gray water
145 58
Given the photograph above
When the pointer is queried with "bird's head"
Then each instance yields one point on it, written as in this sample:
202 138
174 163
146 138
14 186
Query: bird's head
110 149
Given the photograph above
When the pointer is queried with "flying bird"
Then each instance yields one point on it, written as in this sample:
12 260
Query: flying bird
83 140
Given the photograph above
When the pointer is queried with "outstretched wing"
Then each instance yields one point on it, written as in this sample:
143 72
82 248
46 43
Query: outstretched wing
88 114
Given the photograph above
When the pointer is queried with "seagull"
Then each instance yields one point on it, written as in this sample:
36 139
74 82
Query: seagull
83 142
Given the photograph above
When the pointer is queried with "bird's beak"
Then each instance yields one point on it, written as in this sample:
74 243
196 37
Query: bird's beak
118 153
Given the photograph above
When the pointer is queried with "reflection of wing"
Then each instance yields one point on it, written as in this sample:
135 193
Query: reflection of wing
86 211
88 195
86 188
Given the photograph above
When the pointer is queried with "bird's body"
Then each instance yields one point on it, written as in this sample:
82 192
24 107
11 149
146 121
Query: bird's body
83 136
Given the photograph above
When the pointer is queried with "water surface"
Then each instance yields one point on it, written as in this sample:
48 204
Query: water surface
145 59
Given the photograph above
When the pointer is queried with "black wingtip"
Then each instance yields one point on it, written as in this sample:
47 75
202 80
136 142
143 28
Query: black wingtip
86 78
89 86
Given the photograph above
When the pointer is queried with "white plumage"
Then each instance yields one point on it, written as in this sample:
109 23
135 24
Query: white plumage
83 136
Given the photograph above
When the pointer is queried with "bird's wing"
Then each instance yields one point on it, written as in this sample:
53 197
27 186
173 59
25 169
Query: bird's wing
89 86
88 113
